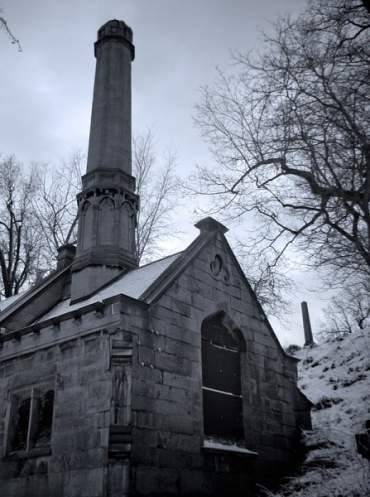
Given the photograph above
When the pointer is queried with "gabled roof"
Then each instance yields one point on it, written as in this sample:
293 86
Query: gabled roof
145 284
148 282
132 284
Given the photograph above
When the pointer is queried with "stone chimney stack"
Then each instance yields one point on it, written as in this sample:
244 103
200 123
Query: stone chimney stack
110 131
107 204
66 254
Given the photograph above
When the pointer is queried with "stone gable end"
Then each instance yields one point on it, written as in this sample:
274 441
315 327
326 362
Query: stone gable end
167 402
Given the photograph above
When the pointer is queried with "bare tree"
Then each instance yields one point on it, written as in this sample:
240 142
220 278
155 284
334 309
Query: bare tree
269 281
9 33
38 212
157 188
289 129
20 239
348 312
55 205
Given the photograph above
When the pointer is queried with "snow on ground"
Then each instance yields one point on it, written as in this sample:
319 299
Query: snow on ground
335 376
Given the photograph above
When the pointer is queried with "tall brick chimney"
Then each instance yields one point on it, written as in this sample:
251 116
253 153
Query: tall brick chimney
107 204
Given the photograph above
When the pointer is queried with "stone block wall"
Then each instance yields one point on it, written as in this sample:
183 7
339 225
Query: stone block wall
128 407
73 358
168 457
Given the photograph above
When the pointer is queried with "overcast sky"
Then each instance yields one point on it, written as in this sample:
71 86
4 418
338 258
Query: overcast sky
46 90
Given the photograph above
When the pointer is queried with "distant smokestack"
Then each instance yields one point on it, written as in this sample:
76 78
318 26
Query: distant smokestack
307 325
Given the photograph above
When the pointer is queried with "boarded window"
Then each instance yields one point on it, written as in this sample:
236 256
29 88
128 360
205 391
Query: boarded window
222 398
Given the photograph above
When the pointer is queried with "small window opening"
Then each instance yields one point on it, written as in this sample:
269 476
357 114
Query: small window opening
45 417
21 425
30 420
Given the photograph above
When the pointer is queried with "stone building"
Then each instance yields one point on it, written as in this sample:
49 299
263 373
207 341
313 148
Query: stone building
117 380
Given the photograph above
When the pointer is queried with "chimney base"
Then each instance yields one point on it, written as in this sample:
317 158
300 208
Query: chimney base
87 281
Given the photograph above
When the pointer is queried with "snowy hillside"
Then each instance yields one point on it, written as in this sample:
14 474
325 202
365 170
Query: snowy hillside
335 376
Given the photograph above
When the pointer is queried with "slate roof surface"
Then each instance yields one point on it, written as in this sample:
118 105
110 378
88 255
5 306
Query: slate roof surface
133 284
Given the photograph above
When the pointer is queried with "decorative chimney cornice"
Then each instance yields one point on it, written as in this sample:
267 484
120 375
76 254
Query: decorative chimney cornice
115 30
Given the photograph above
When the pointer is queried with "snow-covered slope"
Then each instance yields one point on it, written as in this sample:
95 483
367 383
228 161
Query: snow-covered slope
335 376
